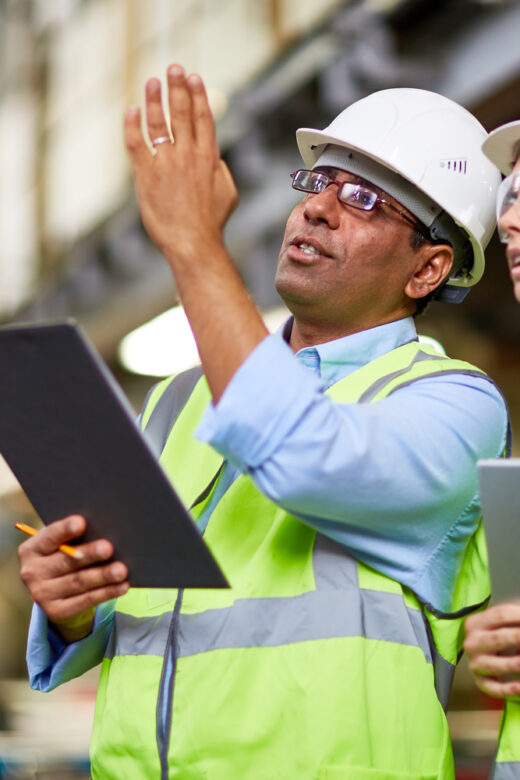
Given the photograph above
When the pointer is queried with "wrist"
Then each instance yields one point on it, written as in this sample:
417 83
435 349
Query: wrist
195 253
77 627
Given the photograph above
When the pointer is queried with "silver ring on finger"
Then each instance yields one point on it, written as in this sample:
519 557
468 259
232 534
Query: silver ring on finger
163 139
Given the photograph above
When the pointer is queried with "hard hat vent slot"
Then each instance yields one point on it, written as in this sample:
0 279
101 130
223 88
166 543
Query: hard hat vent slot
459 165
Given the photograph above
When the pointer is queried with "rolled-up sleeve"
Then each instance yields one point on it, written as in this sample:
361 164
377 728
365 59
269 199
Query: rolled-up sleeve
51 661
386 478
253 418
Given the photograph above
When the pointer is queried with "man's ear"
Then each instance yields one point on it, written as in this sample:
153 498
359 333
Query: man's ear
434 265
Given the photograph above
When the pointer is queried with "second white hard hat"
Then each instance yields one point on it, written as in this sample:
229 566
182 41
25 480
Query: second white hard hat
502 146
431 142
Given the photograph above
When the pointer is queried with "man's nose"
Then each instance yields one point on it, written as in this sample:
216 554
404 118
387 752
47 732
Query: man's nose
509 222
324 207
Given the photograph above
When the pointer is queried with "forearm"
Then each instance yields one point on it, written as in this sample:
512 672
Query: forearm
225 322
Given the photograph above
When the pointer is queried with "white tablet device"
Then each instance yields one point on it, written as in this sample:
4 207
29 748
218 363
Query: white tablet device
499 481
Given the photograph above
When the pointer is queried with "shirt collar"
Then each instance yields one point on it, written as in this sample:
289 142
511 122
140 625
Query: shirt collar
335 359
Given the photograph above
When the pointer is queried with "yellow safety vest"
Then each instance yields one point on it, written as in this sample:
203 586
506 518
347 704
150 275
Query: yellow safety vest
507 762
311 666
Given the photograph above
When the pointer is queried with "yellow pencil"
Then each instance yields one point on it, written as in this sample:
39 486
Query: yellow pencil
72 552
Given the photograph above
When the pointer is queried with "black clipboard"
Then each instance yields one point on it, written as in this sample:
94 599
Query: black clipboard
70 436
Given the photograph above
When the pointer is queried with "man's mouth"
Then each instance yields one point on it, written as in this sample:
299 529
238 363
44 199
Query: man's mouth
308 249
513 257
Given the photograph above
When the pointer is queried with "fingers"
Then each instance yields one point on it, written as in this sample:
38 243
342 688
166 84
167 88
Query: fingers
203 122
155 119
134 139
49 538
493 665
179 99
75 593
47 541
498 689
493 643
497 675
493 617
226 195
191 118
88 579
190 112
63 586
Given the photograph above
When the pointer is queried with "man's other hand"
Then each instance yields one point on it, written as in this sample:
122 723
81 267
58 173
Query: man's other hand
67 589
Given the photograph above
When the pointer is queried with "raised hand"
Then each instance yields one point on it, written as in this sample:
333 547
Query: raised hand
185 191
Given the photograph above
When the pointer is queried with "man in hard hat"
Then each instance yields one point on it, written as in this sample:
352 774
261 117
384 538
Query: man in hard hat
493 636
331 466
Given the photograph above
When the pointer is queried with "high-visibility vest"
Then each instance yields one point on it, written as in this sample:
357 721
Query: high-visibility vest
311 666
507 761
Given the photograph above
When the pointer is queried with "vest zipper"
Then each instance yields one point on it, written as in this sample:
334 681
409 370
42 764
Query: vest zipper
167 683
165 696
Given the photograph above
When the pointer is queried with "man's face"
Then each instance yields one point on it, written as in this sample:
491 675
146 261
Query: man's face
342 267
509 224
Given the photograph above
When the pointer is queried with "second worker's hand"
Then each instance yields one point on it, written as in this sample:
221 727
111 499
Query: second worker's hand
68 590
493 647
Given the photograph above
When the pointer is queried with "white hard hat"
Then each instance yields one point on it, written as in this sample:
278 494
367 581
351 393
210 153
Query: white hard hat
502 146
433 144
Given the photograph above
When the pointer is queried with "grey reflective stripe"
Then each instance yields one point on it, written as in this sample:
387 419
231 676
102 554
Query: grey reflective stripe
272 622
505 770
335 568
378 385
168 408
337 608
443 673
138 636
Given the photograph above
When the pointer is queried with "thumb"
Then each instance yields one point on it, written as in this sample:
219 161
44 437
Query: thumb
225 191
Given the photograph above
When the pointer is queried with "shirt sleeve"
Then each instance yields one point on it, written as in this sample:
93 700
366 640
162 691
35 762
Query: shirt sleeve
394 480
51 661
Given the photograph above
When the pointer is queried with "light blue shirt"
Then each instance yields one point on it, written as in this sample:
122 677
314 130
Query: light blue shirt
394 481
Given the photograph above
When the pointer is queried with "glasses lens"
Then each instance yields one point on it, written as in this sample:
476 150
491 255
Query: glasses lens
357 195
310 181
507 196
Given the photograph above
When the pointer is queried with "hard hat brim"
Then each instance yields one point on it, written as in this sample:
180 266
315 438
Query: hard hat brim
501 144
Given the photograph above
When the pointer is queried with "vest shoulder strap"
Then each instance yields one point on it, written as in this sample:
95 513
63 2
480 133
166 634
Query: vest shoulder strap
165 411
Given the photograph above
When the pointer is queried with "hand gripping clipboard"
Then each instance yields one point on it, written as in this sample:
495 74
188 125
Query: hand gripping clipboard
70 437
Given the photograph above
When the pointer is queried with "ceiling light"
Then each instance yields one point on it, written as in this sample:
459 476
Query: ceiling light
165 345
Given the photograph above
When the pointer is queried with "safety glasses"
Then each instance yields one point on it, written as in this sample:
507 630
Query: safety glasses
507 196
354 194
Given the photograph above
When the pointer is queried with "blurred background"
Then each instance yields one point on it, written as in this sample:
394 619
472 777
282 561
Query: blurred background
72 245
